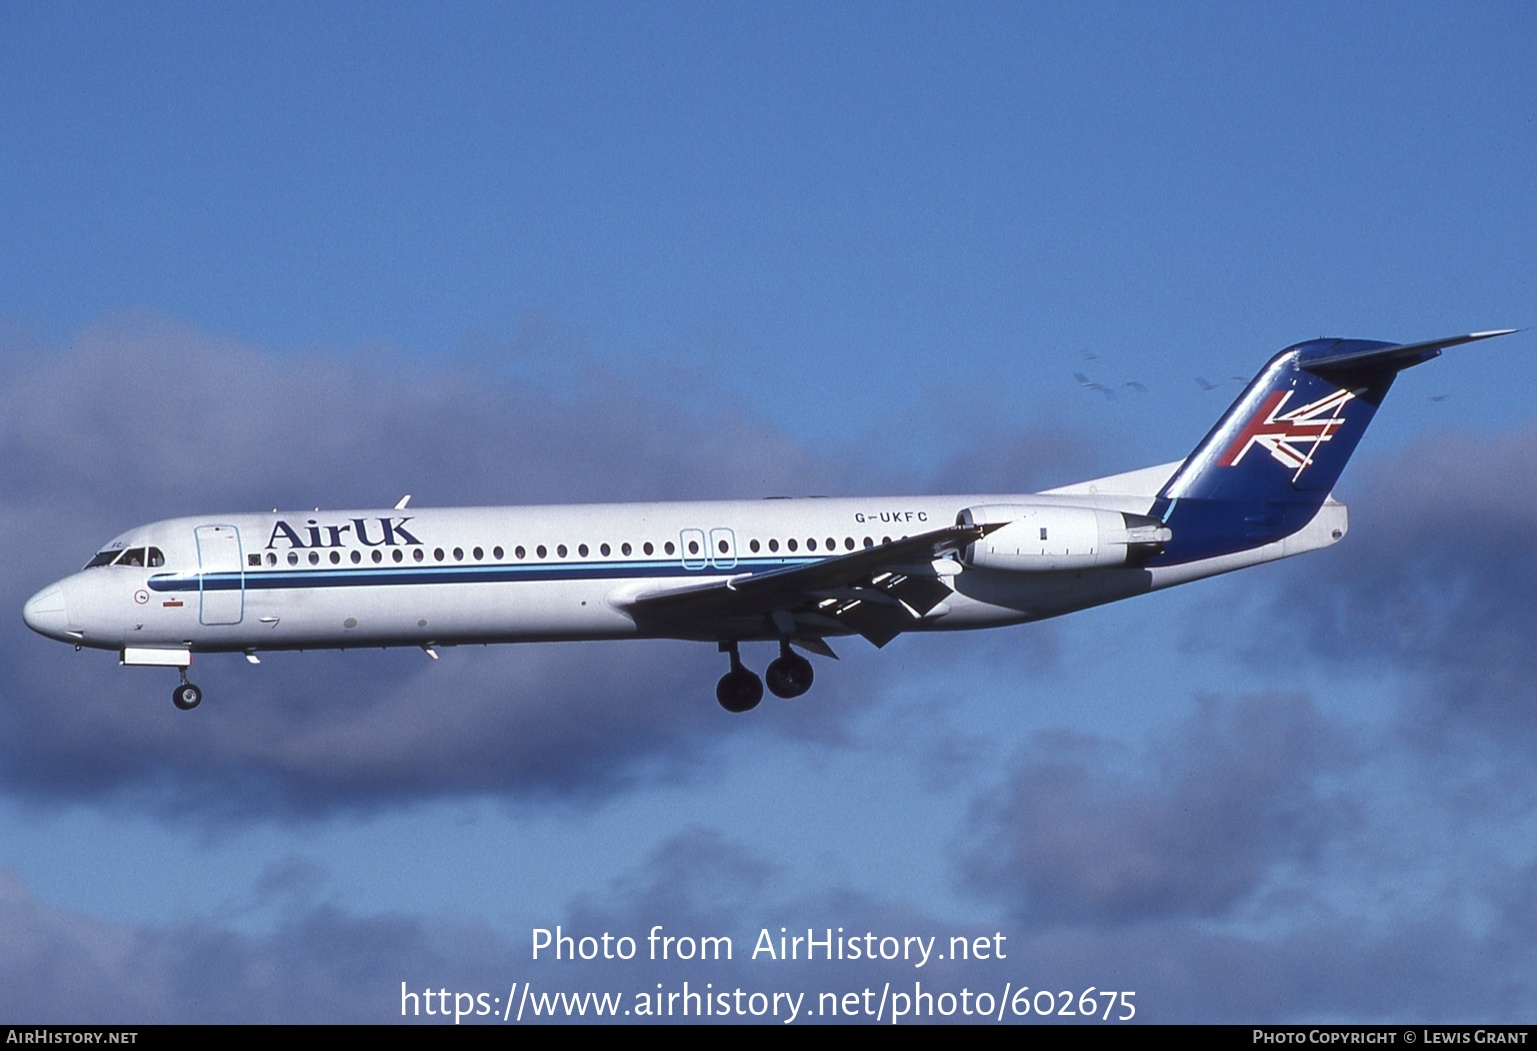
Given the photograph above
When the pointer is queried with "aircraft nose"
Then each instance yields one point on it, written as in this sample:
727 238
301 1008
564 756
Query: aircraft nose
46 613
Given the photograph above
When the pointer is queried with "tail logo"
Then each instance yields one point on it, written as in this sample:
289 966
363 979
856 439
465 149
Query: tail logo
1293 438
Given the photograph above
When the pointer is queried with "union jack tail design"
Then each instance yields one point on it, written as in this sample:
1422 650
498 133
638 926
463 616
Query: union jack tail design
1227 496
1293 437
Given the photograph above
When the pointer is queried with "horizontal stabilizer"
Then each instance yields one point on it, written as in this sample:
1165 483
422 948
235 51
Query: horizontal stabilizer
1345 355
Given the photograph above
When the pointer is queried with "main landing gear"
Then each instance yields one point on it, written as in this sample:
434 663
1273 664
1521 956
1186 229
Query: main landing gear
739 690
790 674
186 696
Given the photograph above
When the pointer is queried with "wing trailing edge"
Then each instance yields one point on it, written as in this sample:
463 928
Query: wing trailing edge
878 592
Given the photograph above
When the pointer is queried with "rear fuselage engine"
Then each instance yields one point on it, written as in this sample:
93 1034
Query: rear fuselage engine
1042 538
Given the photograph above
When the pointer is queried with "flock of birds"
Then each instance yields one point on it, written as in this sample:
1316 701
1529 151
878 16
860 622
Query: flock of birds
1141 388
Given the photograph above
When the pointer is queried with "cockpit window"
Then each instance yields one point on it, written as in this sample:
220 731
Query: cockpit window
133 556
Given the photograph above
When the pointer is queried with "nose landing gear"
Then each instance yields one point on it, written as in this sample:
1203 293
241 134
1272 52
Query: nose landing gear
186 696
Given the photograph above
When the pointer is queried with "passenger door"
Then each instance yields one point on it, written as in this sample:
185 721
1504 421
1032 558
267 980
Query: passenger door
221 574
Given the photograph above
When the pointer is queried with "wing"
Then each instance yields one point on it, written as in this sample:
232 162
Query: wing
878 592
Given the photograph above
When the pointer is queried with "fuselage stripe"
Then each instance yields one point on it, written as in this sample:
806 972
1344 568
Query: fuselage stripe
395 576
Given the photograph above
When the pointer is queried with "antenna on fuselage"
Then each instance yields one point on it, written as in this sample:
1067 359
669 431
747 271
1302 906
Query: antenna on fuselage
404 500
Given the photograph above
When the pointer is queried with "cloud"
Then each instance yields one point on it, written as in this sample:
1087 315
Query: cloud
322 962
142 420
142 415
1081 834
1435 586
318 964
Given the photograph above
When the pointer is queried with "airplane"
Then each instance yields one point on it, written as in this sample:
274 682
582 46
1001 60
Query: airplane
796 572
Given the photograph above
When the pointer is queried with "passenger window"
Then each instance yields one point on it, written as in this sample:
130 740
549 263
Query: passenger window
773 544
560 550
293 558
496 552
540 551
357 556
518 551
336 558
790 544
417 554
272 559
604 550
378 556
479 554
754 546
668 547
398 555
625 548
458 554
582 550
648 548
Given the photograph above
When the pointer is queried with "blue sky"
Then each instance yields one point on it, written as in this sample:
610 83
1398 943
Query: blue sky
268 255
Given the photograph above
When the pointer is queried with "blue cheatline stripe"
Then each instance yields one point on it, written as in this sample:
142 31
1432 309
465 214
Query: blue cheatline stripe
397 576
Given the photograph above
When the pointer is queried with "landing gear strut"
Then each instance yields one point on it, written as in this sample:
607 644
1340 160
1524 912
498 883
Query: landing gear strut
739 690
790 675
186 696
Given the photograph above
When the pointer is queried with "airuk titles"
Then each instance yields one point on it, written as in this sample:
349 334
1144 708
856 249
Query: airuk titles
370 532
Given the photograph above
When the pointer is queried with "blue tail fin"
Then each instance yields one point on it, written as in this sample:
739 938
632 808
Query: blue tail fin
1271 461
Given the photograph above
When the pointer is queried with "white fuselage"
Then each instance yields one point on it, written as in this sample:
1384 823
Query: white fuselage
427 577
1256 488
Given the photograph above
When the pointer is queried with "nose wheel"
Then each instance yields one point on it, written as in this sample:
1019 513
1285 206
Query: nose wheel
186 696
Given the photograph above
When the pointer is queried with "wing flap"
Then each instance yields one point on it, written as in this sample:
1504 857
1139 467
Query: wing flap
877 592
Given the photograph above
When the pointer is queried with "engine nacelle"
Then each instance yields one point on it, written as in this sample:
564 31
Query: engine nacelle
1035 539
